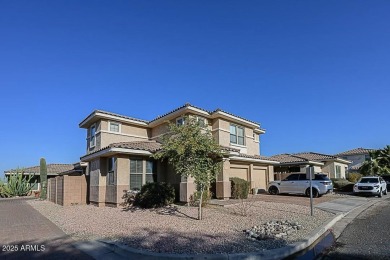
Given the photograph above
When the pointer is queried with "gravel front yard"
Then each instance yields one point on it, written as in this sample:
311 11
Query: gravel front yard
176 230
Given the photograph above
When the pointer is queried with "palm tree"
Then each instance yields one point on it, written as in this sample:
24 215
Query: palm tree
379 162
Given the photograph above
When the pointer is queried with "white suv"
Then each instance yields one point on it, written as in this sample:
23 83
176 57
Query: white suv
298 183
371 185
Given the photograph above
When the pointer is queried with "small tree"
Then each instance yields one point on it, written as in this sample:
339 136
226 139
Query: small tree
193 152
379 162
43 176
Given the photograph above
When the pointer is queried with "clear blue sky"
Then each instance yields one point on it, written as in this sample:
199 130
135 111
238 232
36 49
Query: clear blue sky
315 74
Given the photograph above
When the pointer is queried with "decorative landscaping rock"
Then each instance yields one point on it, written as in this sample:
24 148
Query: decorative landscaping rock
273 230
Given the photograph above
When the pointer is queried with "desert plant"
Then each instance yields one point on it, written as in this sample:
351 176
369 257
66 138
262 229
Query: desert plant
243 207
193 152
354 177
195 198
129 197
43 177
155 195
17 185
240 188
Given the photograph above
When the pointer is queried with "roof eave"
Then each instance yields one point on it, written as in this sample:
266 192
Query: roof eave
111 151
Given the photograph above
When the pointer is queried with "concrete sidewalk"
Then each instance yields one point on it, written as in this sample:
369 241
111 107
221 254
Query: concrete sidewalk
345 209
26 234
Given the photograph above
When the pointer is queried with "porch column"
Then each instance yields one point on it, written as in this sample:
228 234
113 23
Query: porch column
223 186
187 188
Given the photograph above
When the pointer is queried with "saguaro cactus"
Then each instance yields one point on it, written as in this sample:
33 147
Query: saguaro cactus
43 177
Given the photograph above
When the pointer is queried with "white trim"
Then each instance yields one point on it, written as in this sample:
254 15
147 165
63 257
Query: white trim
114 122
114 118
220 129
223 114
115 150
129 135
253 160
259 131
238 145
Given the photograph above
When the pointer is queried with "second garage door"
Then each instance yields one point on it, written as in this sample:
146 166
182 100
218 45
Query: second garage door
259 178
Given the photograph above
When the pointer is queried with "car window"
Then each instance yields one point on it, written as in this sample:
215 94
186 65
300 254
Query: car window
321 177
302 176
369 180
292 177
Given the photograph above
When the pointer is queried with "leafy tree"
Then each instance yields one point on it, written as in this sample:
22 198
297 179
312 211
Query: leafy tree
193 152
379 162
43 177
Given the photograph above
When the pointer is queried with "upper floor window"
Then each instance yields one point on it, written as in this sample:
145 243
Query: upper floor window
237 135
92 136
180 121
201 121
111 170
115 127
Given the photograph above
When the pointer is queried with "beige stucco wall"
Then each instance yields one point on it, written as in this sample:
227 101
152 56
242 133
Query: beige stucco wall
221 131
330 168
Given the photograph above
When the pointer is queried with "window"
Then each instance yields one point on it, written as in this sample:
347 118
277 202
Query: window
136 170
92 136
237 134
338 171
150 175
111 170
367 157
201 121
180 121
115 127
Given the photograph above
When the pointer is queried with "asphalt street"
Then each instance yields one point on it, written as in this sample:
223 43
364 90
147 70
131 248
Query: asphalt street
366 237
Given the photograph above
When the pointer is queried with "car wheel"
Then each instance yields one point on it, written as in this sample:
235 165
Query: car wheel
380 194
273 190
385 192
314 191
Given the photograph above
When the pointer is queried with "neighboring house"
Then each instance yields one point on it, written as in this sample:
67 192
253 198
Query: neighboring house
119 149
356 156
53 170
334 166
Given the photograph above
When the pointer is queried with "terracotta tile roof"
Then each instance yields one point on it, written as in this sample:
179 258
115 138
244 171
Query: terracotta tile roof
288 158
207 111
315 156
359 150
259 157
356 167
150 146
52 169
176 109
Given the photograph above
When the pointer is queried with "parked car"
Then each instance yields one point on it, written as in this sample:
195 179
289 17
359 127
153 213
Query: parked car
371 185
387 180
298 183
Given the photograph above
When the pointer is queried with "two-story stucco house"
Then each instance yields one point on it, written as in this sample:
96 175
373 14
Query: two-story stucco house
357 157
119 150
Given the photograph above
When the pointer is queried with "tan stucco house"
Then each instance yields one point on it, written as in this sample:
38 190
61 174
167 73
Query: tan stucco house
356 156
119 149
334 166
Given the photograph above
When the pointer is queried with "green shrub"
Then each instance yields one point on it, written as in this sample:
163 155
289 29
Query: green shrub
240 188
194 199
17 185
155 195
354 177
339 183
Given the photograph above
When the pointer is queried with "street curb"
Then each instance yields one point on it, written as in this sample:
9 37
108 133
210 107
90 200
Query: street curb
273 254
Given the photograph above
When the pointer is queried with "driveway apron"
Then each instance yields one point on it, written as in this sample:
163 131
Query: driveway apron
27 234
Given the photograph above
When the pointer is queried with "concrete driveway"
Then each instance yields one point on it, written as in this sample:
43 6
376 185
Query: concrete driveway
26 234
